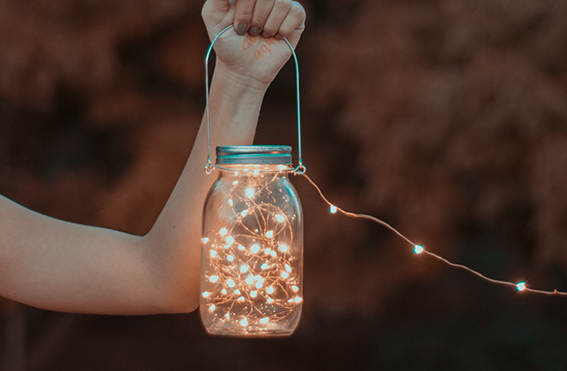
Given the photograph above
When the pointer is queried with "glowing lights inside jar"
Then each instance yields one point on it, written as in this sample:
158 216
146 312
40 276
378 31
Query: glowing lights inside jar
252 253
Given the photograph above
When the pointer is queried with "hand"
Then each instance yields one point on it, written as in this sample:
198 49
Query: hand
254 50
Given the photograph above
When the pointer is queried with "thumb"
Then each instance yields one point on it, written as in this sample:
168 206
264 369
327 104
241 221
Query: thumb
218 5
214 12
217 14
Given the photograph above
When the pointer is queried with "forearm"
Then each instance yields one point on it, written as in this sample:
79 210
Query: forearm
173 244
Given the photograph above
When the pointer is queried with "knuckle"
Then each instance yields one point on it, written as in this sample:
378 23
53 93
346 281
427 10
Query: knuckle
258 21
282 4
244 11
205 12
270 30
297 11
243 17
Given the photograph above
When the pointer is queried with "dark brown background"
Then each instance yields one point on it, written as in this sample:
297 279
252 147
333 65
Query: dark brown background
446 118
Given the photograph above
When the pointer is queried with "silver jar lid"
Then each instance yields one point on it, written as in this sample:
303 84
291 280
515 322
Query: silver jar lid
254 154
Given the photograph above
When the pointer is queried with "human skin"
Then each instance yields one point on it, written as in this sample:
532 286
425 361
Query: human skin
62 266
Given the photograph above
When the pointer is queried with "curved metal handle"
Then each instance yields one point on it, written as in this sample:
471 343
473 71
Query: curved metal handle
300 169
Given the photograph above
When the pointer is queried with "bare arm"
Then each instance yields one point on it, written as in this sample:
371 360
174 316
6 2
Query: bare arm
63 266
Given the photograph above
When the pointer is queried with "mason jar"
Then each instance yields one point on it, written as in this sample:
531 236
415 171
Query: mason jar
252 245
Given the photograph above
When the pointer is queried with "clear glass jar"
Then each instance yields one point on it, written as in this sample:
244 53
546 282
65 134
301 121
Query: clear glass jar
252 245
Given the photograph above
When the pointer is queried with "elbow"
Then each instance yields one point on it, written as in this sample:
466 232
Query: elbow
173 293
177 294
187 305
173 276
182 308
177 303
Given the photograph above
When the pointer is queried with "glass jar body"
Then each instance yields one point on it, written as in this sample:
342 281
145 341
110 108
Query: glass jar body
252 253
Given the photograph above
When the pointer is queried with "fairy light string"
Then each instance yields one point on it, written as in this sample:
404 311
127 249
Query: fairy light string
419 249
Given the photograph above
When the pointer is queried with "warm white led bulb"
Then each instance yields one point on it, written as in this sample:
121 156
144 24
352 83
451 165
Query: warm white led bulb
250 192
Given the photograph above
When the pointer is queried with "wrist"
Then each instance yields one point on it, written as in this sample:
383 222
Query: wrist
239 83
234 103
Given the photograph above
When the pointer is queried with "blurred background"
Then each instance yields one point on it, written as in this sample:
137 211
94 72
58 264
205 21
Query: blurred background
446 118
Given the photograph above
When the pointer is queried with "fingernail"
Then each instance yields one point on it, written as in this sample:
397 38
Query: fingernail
241 30
279 36
254 31
266 35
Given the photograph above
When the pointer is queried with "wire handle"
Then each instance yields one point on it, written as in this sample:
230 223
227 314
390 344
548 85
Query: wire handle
300 169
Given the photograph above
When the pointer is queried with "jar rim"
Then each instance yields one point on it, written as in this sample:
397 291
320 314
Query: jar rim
253 154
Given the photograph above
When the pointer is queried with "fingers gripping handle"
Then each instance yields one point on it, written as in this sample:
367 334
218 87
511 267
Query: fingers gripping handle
300 169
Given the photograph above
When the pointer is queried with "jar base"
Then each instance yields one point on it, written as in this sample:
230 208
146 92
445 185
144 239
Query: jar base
217 326
251 333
